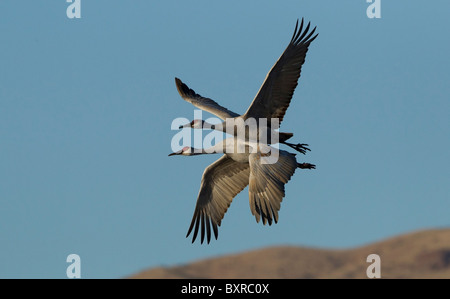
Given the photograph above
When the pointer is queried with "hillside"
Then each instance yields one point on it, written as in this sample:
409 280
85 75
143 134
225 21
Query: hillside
423 254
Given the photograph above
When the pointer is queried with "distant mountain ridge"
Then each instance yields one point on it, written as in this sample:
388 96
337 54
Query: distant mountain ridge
421 254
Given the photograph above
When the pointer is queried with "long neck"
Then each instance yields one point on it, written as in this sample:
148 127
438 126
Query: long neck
219 147
199 151
222 127
240 127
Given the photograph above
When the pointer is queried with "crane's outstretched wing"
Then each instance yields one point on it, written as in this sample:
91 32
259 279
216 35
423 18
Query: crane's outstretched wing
266 185
276 92
221 182
203 103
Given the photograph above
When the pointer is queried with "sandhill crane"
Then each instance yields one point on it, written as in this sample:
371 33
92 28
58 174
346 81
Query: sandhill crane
190 95
230 174
273 98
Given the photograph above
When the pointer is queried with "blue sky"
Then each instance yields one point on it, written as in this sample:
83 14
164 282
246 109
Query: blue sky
86 107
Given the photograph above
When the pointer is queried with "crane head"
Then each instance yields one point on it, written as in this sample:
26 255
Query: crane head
185 151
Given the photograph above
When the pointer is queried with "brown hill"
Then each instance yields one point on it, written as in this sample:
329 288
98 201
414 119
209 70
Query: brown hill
423 254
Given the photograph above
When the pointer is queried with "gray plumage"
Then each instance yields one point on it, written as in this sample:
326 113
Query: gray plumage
230 174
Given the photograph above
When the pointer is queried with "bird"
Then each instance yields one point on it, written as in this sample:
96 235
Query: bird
230 174
233 171
272 100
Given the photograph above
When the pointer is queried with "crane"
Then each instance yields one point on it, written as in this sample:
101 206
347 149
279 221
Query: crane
231 173
272 100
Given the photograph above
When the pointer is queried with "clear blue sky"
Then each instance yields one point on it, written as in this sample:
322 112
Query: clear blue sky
86 106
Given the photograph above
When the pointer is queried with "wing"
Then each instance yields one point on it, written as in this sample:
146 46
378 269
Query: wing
203 103
221 182
276 92
266 185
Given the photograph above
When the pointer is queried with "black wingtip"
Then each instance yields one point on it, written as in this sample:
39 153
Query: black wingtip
314 37
308 39
295 31
194 222
202 219
184 90
201 226
179 83
299 34
304 33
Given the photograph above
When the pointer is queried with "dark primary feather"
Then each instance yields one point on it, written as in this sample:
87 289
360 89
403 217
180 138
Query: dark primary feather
266 185
276 92
221 182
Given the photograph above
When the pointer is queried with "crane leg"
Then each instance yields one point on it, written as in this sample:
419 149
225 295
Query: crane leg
300 147
306 166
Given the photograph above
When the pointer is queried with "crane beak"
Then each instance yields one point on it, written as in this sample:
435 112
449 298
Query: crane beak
176 153
186 125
